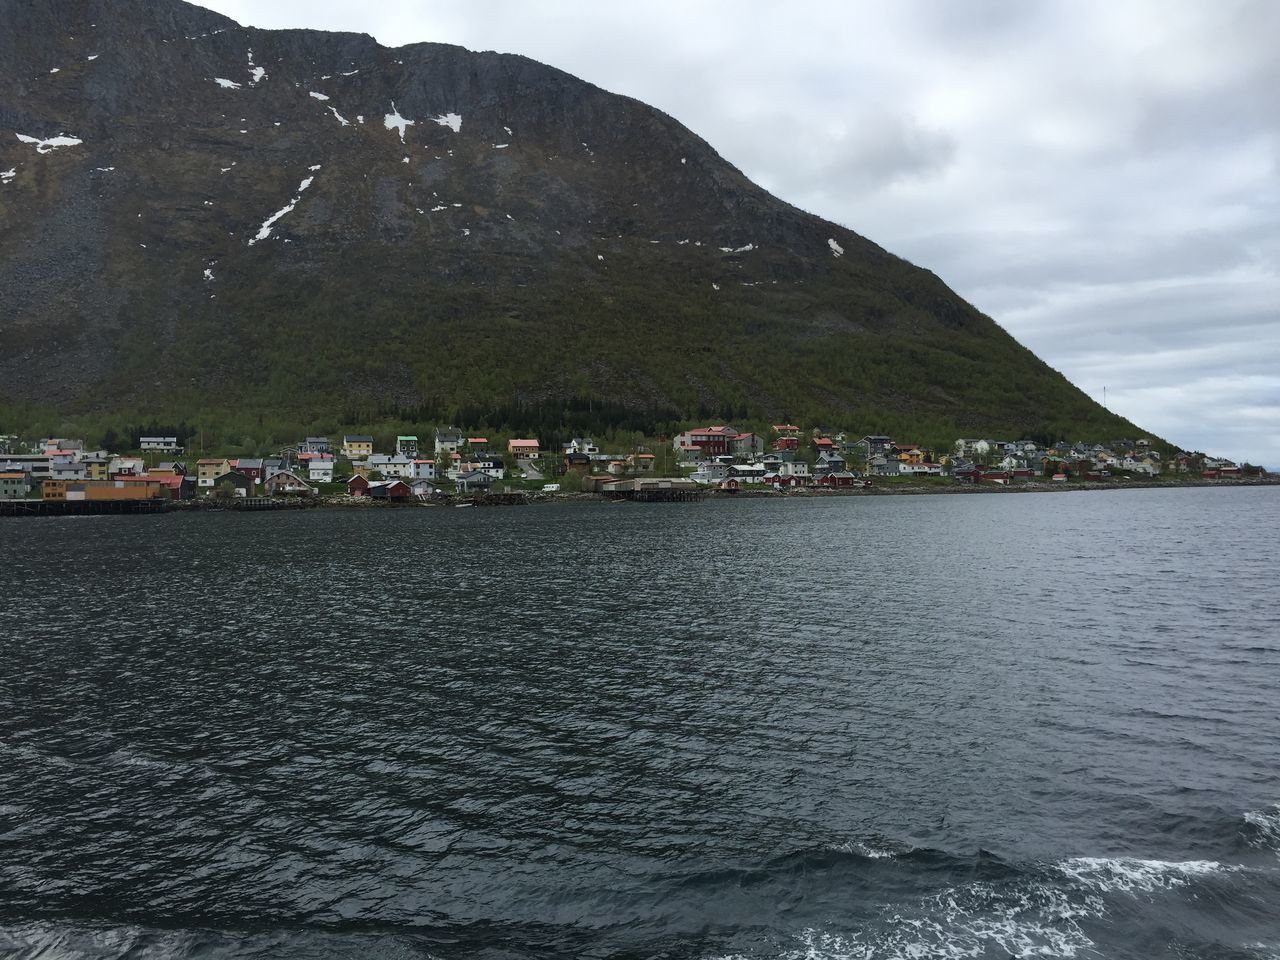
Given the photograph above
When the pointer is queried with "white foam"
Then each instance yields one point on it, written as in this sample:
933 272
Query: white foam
208 274
836 249
501 146
56 70
53 143
509 133
318 96
226 84
104 169
351 73
600 256
746 248
93 57
7 175
339 117
439 208
466 232
393 121
715 286
1131 874
451 120
265 230
1267 824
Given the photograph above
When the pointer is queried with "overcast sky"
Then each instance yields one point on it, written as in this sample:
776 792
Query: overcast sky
1100 176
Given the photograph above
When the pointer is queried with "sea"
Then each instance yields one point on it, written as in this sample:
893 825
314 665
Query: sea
1015 725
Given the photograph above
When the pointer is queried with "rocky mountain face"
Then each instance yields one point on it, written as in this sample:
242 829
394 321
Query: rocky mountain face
195 214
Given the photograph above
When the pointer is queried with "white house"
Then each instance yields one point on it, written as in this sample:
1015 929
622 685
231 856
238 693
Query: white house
391 465
794 468
920 469
160 444
424 469
320 470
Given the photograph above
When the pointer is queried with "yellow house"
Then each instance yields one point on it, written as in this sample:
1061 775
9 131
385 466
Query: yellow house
210 469
358 447
524 449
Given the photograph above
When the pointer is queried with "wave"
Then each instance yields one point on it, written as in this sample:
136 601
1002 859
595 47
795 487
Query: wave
1135 875
1262 828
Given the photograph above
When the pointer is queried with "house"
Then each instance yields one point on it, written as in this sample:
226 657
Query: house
96 466
617 468
320 469
824 445
779 482
488 463
882 466
176 486
473 481
67 470
786 444
786 430
251 467
424 469
170 466
711 473
828 463
422 488
448 440
407 446
584 445
390 465
315 445
210 468
577 462
476 444
908 453
357 446
795 468
642 462
285 483
14 485
390 490
746 445
908 469
838 478
358 486
523 449
747 472
874 445
243 486
159 444
126 467
704 441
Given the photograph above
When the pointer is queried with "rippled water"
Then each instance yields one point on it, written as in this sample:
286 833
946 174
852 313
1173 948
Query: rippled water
987 726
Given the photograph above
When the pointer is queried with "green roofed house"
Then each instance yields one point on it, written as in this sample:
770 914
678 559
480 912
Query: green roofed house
407 446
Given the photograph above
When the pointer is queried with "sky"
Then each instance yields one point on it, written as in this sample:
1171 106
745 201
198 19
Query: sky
1101 177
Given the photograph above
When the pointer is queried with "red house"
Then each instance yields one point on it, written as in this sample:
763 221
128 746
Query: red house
709 441
358 486
783 444
839 479
391 490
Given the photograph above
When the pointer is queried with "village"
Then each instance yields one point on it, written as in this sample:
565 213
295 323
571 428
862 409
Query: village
451 463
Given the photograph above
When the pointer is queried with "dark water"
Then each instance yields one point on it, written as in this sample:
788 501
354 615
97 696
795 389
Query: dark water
862 728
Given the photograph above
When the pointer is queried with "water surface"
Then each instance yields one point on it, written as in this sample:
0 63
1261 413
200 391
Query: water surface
992 726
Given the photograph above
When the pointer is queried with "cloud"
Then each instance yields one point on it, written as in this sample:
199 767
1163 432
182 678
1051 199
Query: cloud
1100 176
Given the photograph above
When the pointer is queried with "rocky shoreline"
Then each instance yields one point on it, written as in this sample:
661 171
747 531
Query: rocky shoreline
525 498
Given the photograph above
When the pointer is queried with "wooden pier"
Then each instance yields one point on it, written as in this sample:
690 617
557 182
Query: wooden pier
81 508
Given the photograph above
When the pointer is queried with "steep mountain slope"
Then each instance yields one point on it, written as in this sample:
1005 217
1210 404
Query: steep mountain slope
198 215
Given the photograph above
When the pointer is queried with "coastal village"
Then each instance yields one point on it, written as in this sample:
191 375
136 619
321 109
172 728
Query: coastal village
452 463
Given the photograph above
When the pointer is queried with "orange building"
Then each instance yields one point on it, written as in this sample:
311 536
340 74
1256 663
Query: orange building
97 490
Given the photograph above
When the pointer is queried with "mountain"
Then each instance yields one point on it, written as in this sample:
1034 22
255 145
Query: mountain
197 216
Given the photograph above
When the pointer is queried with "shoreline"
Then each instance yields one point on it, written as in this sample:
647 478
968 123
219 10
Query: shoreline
536 498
